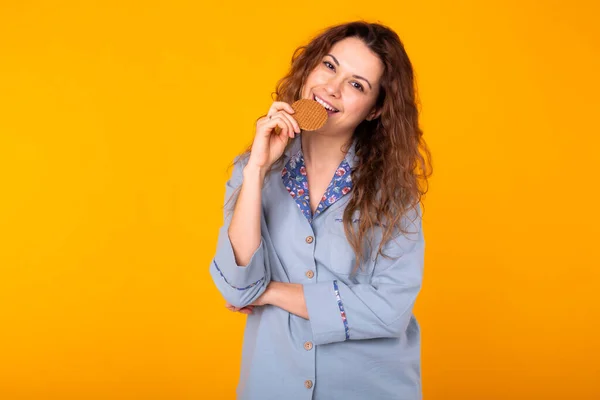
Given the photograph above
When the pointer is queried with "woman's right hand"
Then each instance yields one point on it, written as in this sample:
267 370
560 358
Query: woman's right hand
244 310
269 143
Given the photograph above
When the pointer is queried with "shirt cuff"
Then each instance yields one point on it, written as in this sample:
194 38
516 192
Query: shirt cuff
238 276
326 312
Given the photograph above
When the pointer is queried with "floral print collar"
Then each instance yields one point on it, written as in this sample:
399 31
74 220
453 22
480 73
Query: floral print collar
295 180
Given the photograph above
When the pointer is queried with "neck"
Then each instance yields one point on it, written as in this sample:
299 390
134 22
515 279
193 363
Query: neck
322 152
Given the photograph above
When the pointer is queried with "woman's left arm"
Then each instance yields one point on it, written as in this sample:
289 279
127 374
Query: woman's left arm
288 296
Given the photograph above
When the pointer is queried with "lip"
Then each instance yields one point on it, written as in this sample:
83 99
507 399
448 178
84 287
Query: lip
326 102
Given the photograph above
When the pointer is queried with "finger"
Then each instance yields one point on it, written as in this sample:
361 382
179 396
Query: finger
292 120
246 311
281 122
268 125
262 120
280 105
295 127
291 131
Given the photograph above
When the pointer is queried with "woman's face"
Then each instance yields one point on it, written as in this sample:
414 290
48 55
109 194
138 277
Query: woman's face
347 79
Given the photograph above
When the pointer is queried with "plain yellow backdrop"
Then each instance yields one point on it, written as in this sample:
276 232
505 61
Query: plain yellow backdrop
118 120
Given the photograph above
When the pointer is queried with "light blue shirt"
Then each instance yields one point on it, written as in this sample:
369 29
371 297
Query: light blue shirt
362 340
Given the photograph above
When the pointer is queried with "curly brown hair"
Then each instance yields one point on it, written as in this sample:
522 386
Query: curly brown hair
394 161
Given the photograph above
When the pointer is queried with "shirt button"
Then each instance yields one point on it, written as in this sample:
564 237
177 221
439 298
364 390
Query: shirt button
308 383
309 239
308 346
310 274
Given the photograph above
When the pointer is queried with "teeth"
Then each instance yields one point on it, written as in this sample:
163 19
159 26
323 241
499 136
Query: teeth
321 102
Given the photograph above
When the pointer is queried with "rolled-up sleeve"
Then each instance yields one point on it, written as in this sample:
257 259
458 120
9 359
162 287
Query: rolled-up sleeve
240 285
381 308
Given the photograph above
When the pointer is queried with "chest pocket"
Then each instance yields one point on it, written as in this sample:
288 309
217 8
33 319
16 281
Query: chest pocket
341 254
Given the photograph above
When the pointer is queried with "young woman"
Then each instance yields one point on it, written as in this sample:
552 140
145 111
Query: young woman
322 245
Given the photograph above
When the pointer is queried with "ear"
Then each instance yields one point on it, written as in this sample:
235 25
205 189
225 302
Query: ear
374 114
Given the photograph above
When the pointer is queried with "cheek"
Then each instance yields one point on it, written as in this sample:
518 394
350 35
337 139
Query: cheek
359 106
316 78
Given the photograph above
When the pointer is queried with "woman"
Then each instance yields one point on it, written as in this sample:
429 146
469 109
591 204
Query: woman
322 243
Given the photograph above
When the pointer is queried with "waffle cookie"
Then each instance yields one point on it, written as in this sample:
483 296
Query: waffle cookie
309 114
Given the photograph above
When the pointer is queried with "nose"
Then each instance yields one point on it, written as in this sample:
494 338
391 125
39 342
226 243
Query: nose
333 87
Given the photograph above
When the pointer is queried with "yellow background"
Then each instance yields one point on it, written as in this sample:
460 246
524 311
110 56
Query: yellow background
118 120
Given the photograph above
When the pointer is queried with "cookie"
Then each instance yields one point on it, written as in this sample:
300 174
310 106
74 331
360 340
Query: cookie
309 114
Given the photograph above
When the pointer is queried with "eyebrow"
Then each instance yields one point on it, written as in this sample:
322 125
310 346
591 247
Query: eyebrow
355 76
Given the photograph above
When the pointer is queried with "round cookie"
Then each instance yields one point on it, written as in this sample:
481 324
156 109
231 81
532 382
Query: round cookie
309 114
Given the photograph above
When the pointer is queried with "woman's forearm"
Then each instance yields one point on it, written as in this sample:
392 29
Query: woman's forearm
244 229
287 296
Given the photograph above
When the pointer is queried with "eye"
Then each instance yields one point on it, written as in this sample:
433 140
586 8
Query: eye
358 86
329 65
